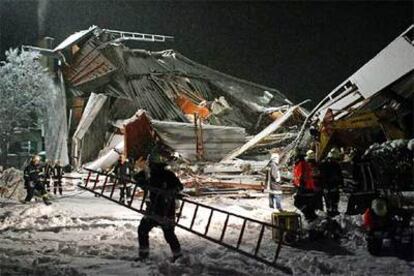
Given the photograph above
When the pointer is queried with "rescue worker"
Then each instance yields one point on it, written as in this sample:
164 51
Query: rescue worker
302 180
33 176
57 177
122 170
388 227
273 183
332 179
47 173
376 222
315 179
162 189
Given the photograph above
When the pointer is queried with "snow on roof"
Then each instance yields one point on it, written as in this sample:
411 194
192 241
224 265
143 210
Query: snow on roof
72 39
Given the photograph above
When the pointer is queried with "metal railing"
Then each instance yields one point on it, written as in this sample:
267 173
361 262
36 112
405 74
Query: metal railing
124 36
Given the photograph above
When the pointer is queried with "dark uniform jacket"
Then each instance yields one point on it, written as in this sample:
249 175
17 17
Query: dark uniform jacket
331 176
57 172
48 170
122 171
33 175
166 186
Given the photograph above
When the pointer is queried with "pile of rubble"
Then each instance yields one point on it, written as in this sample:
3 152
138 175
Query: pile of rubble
11 184
235 178
393 163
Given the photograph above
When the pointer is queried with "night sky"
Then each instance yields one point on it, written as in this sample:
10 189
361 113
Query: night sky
303 49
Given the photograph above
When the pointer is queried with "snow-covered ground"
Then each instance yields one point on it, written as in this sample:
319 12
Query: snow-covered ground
84 235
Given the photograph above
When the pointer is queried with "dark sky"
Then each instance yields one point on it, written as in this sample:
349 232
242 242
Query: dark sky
304 49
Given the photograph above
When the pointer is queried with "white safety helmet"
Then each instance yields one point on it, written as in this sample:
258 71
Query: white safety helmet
334 154
379 207
274 157
310 155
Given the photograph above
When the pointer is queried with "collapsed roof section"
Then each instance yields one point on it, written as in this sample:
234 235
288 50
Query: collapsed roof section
389 72
379 96
163 83
115 81
140 133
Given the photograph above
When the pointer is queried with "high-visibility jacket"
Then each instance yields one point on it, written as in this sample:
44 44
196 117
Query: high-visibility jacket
302 175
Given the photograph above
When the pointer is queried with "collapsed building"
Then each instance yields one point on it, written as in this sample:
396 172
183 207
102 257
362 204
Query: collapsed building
120 97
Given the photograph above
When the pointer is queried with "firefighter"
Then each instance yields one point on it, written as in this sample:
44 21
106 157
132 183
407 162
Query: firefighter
47 173
164 187
332 179
315 179
376 222
33 176
122 170
273 183
305 191
388 227
57 177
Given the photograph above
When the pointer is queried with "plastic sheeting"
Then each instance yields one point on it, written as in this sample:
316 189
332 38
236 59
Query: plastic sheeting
107 160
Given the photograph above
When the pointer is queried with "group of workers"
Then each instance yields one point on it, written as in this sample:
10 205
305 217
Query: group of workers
312 181
318 182
38 178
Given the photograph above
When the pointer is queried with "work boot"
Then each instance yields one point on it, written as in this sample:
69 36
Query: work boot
46 200
143 254
176 256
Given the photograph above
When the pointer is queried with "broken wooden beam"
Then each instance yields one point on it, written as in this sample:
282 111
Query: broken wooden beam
224 184
263 134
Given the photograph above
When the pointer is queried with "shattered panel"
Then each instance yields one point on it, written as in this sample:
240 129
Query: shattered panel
89 68
217 140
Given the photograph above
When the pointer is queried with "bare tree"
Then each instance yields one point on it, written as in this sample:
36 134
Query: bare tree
25 91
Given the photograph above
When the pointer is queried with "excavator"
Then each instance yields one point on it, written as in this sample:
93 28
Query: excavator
344 130
359 131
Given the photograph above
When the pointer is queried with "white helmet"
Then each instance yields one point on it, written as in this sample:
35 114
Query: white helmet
274 157
310 155
334 154
379 207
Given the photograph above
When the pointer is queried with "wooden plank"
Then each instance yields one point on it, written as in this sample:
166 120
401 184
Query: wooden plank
264 133
235 166
258 186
